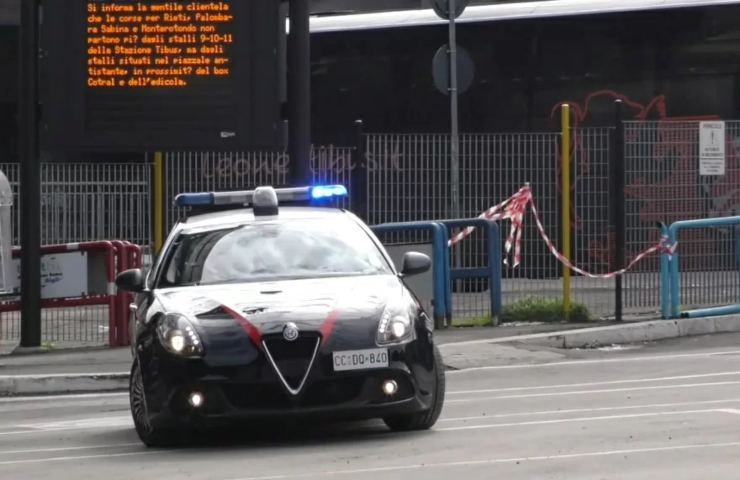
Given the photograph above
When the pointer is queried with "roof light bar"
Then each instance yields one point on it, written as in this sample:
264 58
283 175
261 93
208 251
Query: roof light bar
247 197
328 191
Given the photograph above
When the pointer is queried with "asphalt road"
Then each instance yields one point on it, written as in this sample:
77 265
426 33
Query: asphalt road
663 411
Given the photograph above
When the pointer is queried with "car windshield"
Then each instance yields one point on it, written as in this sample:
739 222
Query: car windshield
272 251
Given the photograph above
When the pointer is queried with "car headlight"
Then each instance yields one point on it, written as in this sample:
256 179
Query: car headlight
178 336
395 325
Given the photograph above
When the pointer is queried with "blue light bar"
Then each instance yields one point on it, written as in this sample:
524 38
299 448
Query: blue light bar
246 198
194 199
320 192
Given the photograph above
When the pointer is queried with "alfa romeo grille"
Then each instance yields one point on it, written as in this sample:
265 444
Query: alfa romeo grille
292 360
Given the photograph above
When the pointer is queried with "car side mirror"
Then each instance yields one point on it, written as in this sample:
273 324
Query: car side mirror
415 263
131 280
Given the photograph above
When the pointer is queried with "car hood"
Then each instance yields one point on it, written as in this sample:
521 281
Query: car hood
268 306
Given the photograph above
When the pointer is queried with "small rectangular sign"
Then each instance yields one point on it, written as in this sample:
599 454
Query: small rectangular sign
712 148
63 275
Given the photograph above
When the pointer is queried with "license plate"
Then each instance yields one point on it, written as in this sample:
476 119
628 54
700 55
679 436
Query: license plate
360 359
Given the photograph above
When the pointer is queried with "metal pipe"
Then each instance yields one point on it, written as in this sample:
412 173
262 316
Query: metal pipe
30 177
616 207
565 212
454 140
299 94
158 201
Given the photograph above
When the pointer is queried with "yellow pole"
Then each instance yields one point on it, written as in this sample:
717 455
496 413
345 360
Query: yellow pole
565 214
158 201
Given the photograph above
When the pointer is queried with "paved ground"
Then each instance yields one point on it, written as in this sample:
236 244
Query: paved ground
659 411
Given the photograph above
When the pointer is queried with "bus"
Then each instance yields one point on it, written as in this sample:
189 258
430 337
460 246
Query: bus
667 58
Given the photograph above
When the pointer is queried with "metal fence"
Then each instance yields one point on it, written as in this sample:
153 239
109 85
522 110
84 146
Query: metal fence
82 202
408 179
664 185
215 171
78 326
590 217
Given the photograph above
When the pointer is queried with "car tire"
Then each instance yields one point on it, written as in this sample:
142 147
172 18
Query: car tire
423 420
150 435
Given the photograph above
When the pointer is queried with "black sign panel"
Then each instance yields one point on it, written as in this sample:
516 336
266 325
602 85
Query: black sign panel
140 75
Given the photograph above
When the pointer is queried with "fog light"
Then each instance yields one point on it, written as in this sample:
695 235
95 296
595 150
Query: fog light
196 399
390 387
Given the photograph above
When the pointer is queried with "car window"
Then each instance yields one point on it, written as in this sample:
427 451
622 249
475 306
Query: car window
270 251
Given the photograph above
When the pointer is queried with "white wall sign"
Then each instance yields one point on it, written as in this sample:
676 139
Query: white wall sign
712 148
63 275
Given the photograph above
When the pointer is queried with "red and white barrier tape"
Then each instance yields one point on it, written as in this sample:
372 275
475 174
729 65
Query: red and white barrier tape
514 209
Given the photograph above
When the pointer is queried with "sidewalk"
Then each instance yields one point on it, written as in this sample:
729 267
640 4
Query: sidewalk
105 370
118 360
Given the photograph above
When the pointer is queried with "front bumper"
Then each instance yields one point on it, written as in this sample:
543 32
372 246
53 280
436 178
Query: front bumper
254 390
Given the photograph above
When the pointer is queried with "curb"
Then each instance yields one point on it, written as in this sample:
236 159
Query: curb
620 334
640 332
59 384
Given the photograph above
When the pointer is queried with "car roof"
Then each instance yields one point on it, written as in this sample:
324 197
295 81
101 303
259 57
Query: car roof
242 216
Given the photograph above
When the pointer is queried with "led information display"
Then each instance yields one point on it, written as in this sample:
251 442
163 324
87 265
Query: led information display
155 74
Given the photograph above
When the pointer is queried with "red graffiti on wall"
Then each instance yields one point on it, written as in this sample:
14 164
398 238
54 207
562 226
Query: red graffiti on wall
670 188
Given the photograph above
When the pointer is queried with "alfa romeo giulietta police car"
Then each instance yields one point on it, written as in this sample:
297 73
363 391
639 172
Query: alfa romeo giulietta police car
262 306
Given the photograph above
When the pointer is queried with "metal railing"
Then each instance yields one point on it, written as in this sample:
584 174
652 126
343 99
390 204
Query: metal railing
714 288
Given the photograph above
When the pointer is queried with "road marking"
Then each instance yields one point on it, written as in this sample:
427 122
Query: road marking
82 457
576 420
49 398
592 392
65 449
733 411
110 421
600 409
82 424
41 376
651 358
594 384
494 461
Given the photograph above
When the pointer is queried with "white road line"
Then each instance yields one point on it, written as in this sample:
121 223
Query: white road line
733 411
494 461
56 398
651 358
66 449
89 424
593 392
599 409
37 376
102 421
82 457
576 420
594 384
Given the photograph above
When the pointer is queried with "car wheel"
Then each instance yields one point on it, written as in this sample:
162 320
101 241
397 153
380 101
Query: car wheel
151 436
423 420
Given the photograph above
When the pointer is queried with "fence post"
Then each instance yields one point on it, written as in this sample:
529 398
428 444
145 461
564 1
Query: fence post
675 283
665 279
359 173
565 213
30 205
616 208
494 264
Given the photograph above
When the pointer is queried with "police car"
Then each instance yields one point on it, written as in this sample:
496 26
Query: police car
265 304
